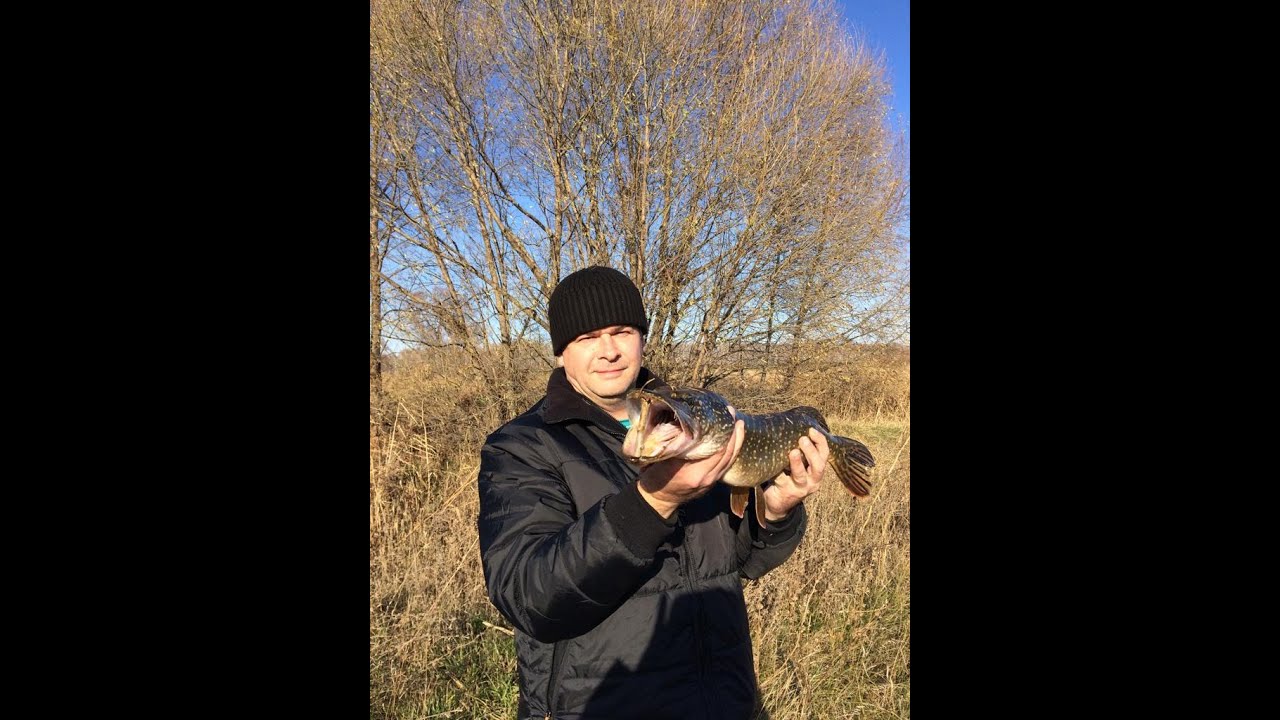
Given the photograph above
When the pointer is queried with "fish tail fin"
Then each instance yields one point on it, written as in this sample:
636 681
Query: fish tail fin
851 462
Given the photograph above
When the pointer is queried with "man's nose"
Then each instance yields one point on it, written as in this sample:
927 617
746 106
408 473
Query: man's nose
608 346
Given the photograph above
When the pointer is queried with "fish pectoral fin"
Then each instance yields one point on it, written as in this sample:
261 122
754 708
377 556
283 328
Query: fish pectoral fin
738 500
760 507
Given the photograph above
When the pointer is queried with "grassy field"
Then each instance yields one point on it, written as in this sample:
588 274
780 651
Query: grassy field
831 627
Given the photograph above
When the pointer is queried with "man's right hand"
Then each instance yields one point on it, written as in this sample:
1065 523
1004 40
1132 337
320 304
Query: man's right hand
671 483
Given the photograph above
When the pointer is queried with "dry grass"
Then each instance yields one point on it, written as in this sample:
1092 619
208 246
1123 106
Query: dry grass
831 627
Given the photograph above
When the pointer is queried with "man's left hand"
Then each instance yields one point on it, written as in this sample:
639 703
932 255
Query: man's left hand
805 477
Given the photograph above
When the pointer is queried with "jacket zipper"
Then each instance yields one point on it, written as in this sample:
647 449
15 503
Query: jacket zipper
688 583
697 614
557 653
556 656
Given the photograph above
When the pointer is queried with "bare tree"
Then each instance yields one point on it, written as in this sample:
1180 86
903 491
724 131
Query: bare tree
733 157
380 232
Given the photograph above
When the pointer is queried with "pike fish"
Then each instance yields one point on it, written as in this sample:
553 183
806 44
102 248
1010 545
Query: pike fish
693 424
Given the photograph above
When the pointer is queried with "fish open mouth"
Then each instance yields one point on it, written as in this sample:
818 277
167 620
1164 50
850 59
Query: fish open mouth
658 431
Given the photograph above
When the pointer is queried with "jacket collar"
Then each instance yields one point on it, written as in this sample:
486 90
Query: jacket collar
564 403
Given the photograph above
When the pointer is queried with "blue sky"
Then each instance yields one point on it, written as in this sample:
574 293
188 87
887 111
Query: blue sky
886 24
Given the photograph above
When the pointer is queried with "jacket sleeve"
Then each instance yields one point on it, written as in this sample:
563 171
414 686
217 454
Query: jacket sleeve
763 549
551 574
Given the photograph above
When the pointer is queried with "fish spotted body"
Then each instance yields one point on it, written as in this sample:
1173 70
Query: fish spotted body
691 423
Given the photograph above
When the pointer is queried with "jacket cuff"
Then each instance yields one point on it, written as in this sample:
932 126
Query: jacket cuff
640 528
775 533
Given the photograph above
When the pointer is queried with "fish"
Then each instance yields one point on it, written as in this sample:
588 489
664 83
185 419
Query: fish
693 423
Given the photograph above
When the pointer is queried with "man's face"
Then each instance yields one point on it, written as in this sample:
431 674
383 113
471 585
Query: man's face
603 364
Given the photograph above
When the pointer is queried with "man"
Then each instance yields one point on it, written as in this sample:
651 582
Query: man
623 585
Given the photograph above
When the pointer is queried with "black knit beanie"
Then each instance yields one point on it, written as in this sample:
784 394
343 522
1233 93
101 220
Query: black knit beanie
591 299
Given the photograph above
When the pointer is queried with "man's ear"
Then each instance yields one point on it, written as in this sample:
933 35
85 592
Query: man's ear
559 361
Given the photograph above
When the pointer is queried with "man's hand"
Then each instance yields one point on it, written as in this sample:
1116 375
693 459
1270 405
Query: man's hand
788 489
671 483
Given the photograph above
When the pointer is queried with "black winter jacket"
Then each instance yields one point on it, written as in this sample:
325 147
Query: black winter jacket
618 613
